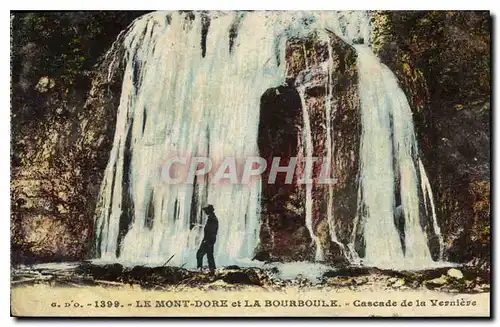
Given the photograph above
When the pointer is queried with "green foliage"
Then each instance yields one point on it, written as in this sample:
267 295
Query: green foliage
451 49
350 62
481 193
63 44
481 207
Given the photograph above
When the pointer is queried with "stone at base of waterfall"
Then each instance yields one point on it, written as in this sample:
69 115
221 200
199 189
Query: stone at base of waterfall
436 282
271 277
396 282
44 84
338 282
241 277
455 273
218 284
350 282
481 288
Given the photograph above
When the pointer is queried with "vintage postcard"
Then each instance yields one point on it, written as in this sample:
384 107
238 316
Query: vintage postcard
250 163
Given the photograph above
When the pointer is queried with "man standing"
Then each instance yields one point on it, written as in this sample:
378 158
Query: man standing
209 238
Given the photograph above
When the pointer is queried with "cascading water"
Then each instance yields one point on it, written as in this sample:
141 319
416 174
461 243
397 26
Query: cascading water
181 98
308 145
429 201
387 133
192 86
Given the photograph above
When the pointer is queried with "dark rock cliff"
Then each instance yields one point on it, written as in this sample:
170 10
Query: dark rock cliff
63 112
284 235
442 60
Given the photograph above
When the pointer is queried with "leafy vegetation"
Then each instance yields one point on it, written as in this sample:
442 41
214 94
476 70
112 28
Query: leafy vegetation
63 44
451 49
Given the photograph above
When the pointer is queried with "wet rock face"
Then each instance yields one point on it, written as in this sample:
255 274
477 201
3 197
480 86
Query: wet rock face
63 111
58 165
284 235
283 232
442 62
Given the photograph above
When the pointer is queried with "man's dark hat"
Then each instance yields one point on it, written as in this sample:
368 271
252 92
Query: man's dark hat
209 208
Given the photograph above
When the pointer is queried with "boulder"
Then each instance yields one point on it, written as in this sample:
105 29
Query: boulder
396 282
238 277
455 273
436 282
284 235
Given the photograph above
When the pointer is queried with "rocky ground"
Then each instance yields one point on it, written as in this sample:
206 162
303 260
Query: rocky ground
450 280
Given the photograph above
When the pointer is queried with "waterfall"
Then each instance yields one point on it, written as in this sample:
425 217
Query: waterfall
387 133
191 88
388 174
429 197
308 146
388 160
189 96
